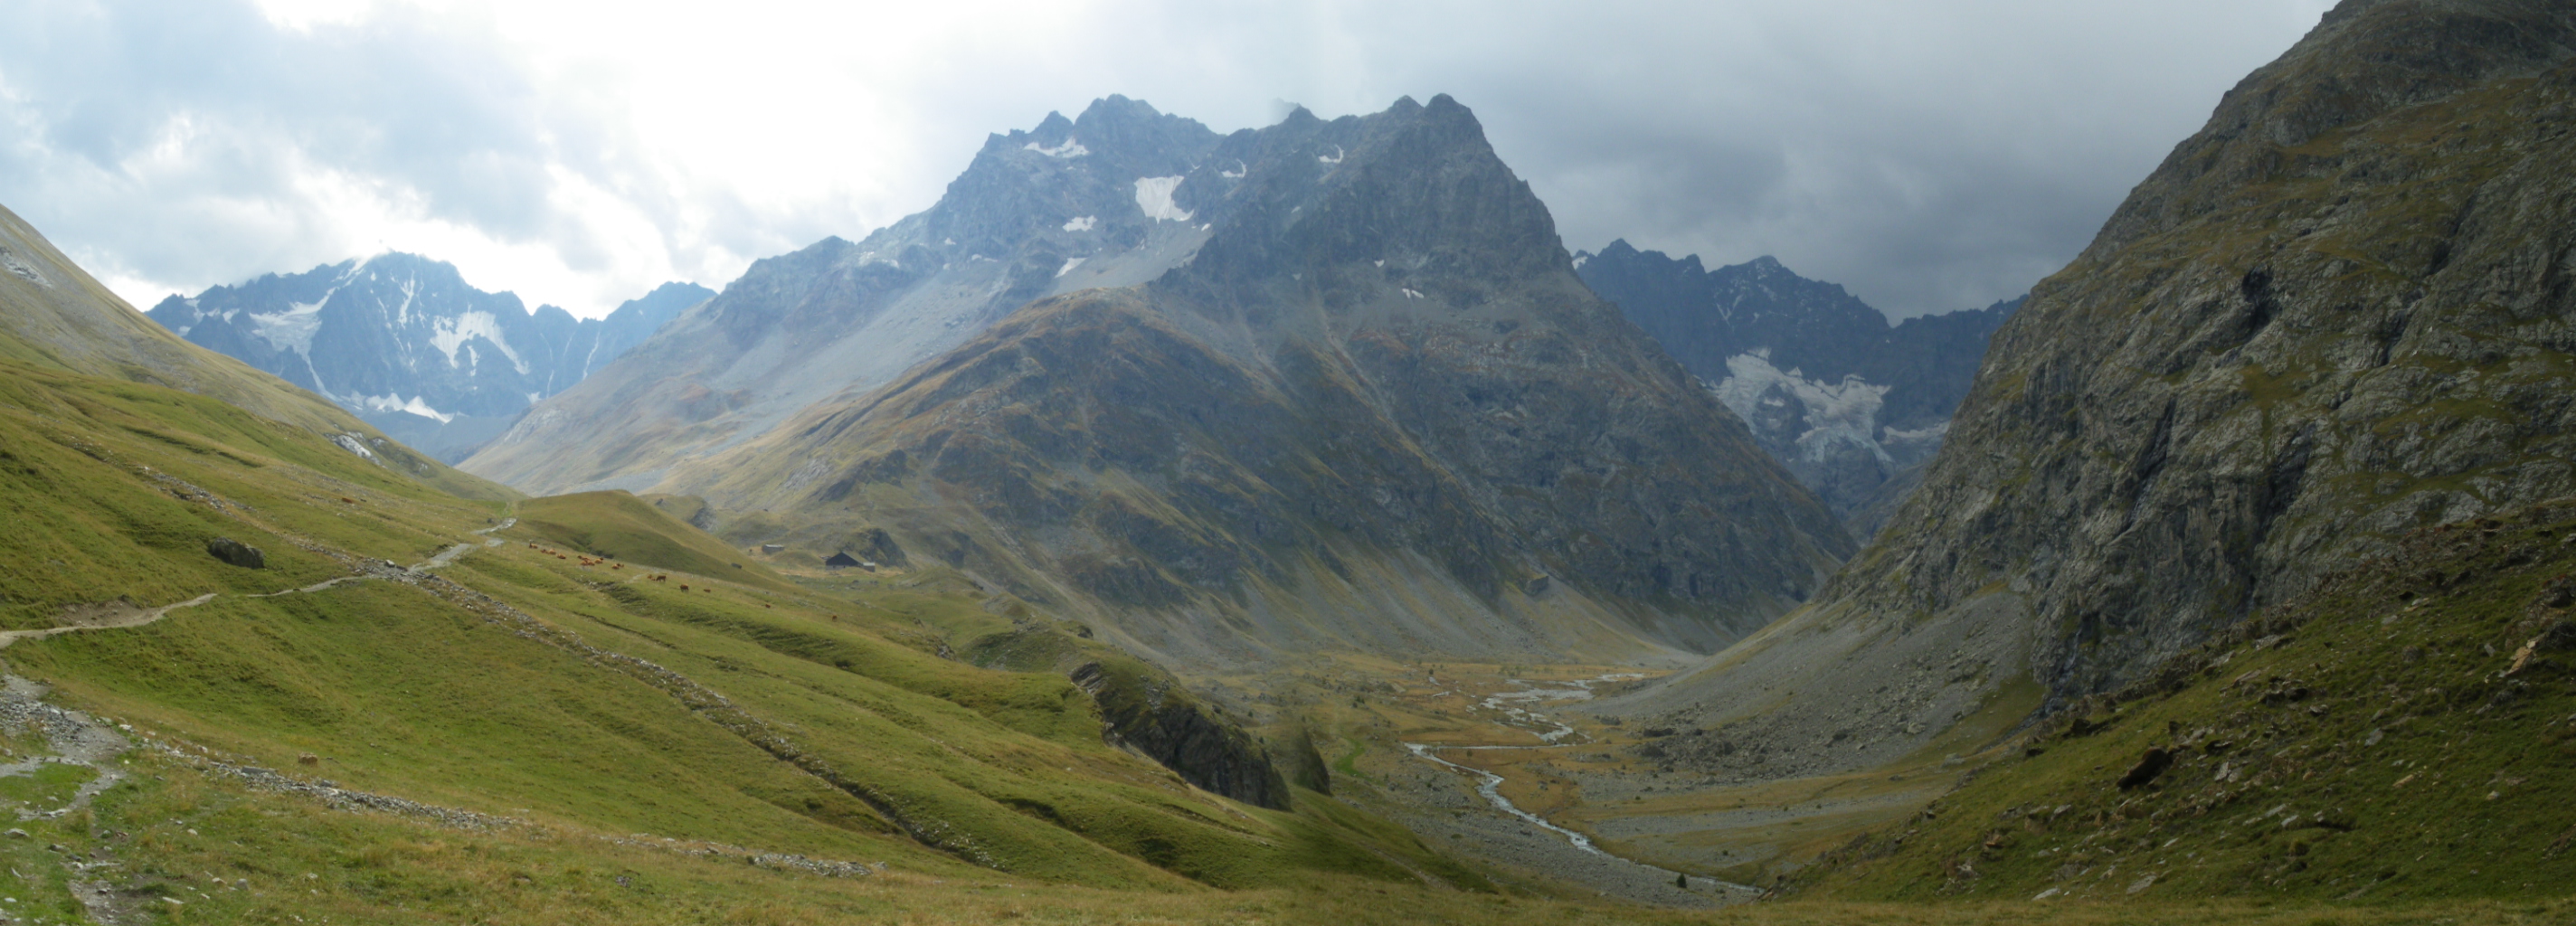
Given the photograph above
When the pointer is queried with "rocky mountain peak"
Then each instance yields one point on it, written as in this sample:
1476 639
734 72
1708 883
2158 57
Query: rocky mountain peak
1412 190
1050 131
1376 371
1068 205
1073 184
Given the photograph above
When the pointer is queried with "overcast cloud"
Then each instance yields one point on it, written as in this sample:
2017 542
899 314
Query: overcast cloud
1930 156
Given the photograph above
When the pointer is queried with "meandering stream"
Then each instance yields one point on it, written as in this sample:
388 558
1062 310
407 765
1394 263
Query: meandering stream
1490 785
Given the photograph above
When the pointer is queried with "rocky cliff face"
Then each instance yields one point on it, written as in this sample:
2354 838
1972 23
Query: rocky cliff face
1849 404
407 344
2339 312
1374 409
1152 714
1069 205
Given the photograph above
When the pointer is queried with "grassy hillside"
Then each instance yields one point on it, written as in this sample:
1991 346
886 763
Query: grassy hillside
623 527
2407 731
580 703
114 488
55 317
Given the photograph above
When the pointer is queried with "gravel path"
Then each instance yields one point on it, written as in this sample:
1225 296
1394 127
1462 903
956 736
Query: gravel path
114 617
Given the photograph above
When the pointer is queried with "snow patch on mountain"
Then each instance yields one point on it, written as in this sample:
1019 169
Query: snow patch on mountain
395 403
1068 266
448 334
1843 413
1069 150
1154 196
1081 223
291 329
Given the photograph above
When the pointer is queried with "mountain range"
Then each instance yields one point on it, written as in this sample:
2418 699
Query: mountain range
405 343
293 640
1322 383
1850 404
1072 204
1289 513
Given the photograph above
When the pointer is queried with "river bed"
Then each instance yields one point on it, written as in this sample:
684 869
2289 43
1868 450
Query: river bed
1489 785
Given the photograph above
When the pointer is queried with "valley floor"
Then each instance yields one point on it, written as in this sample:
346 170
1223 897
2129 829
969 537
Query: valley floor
531 731
184 840
1500 763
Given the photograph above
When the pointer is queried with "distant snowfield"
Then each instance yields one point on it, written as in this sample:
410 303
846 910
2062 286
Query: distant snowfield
448 334
1154 196
292 329
396 403
1837 413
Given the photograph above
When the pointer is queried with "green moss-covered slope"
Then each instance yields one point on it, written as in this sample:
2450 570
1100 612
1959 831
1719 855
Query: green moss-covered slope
619 525
55 317
2405 731
410 656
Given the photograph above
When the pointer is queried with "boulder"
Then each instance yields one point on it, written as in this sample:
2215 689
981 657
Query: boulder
2149 766
237 553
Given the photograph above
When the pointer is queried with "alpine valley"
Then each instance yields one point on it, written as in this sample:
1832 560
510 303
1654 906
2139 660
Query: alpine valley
1286 526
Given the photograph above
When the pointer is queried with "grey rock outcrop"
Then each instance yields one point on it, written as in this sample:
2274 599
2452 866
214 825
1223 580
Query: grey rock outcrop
1153 716
237 553
408 345
2339 312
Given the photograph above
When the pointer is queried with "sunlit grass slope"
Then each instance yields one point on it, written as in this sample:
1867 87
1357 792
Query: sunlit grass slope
111 490
2407 731
585 700
55 317
627 528
649 741
230 856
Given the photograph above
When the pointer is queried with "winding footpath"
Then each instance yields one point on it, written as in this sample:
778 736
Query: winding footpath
79 740
142 617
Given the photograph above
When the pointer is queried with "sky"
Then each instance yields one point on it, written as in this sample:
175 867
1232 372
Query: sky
1929 156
